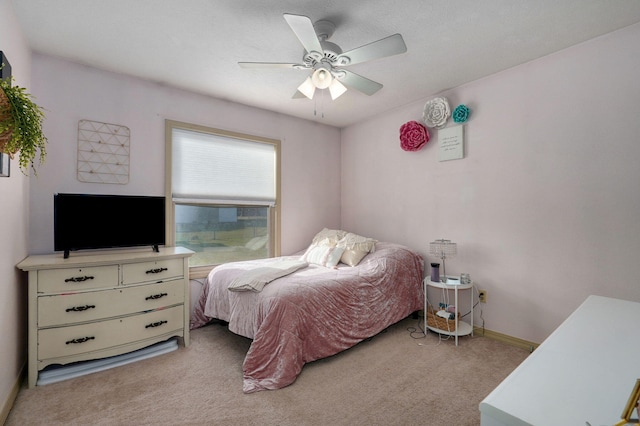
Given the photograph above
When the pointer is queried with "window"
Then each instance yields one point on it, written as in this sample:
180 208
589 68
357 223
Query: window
224 191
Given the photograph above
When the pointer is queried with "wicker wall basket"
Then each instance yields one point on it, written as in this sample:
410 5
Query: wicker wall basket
444 324
5 115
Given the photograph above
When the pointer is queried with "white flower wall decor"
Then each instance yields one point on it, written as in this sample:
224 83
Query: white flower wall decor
436 113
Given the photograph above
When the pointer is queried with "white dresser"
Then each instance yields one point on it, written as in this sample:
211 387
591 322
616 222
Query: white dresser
100 304
583 372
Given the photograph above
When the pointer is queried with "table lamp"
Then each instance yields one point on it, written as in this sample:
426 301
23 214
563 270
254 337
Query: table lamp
443 249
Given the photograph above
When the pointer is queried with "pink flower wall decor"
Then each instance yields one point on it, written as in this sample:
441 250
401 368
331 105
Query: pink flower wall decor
413 136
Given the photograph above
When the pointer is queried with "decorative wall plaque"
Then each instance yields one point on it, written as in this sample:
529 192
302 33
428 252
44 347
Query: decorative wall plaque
451 143
103 152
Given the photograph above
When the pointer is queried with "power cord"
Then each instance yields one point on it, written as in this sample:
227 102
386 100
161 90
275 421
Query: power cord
478 303
418 333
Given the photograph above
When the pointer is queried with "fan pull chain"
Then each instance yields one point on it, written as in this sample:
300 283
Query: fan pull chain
315 105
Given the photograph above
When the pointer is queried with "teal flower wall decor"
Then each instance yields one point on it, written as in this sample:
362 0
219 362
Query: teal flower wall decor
461 114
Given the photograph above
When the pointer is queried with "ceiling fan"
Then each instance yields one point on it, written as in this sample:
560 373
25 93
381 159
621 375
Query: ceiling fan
326 60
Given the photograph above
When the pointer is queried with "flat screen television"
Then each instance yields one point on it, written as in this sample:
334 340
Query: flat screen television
92 221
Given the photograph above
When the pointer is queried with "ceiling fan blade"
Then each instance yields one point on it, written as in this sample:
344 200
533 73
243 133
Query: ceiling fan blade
389 46
303 29
358 82
269 65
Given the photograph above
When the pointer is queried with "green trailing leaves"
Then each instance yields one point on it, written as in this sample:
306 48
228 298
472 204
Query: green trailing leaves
23 118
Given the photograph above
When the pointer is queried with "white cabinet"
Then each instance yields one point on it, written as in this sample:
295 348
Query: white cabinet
461 328
101 304
583 372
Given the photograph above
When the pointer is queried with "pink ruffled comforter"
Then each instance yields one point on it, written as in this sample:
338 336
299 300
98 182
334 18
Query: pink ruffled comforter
313 313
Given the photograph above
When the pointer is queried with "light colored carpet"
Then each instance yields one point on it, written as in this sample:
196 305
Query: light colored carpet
392 379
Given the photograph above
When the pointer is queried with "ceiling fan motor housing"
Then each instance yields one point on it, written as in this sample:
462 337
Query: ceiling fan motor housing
324 29
331 52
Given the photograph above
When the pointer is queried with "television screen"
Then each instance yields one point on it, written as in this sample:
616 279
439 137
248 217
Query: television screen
88 221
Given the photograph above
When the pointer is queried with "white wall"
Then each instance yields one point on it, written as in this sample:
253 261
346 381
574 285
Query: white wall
545 206
14 196
72 92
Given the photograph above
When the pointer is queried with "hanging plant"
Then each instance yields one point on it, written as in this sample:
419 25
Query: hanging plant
21 126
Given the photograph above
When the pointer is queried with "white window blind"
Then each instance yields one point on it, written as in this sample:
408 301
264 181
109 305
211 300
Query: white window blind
218 169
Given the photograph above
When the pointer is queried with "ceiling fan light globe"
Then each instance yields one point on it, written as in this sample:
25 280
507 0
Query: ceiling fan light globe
336 89
322 78
307 88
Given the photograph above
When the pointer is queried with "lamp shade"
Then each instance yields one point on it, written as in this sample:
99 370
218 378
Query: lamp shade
443 248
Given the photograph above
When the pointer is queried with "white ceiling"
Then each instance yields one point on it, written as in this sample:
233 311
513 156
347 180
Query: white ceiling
196 44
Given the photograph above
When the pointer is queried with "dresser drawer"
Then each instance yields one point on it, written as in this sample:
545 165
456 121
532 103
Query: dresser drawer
161 270
74 279
77 339
65 309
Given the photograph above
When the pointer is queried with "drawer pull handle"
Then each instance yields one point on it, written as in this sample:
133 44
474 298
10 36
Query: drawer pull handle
78 279
80 340
156 271
155 296
155 324
80 308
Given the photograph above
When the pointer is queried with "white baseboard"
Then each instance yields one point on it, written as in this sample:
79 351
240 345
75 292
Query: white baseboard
6 406
505 338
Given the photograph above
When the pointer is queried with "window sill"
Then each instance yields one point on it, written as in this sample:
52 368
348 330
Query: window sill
196 272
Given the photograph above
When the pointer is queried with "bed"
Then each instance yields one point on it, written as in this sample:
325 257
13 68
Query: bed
314 312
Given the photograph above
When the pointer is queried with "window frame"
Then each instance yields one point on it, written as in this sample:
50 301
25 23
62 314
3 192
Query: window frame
274 211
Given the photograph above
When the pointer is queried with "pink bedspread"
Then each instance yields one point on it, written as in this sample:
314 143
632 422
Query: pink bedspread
313 313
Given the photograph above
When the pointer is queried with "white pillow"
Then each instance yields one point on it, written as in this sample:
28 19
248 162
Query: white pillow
323 255
355 248
328 237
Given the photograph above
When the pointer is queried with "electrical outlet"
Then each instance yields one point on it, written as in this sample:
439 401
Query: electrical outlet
482 296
